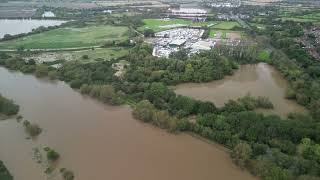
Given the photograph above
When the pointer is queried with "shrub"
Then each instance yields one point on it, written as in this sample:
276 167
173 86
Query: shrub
67 174
32 129
7 107
52 155
85 57
42 70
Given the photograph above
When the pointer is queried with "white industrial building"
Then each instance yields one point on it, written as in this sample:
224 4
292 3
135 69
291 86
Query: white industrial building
169 41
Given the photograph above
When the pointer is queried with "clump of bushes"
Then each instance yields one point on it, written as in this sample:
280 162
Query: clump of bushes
252 103
7 107
4 173
31 128
146 112
264 102
42 70
67 174
52 155
105 93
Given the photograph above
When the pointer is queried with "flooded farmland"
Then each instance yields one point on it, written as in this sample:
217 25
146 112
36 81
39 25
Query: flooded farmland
98 141
258 80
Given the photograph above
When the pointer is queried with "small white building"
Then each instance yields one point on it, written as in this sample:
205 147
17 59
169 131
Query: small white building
48 14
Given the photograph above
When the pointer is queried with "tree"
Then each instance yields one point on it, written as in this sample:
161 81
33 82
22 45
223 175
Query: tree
67 174
42 70
52 155
7 107
32 129
315 110
144 111
148 33
85 57
241 154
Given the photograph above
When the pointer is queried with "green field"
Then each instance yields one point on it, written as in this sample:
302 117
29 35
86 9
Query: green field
163 24
69 38
226 25
312 16
298 19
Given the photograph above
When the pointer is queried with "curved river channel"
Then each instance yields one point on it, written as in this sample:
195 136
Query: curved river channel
99 142
257 80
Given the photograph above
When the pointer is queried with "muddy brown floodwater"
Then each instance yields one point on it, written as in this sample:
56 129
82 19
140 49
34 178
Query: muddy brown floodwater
258 80
100 142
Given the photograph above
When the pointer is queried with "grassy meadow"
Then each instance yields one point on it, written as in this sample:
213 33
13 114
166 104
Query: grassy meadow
164 24
69 38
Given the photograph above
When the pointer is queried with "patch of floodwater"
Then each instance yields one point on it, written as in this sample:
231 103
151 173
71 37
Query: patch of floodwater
257 80
97 141
16 26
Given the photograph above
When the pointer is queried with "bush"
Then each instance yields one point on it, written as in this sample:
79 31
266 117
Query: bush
4 173
42 70
67 174
52 155
53 75
85 57
290 93
32 129
7 107
241 154
264 102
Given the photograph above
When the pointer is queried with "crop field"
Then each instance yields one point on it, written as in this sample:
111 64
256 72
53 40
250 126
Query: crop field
313 16
164 24
298 19
226 25
68 38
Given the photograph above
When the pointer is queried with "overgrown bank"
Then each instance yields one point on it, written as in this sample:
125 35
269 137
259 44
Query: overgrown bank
4 173
7 108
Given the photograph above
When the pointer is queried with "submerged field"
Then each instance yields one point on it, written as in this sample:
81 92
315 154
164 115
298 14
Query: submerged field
69 38
164 24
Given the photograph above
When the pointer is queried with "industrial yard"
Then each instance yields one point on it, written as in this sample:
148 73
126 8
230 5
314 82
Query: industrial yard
169 41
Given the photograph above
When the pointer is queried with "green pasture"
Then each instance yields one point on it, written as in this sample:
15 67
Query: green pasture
69 38
164 24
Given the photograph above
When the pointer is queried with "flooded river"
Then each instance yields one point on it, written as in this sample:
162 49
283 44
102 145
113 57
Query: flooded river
258 80
100 142
18 26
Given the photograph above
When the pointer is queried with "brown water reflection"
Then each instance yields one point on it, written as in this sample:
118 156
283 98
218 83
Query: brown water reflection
100 142
258 80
